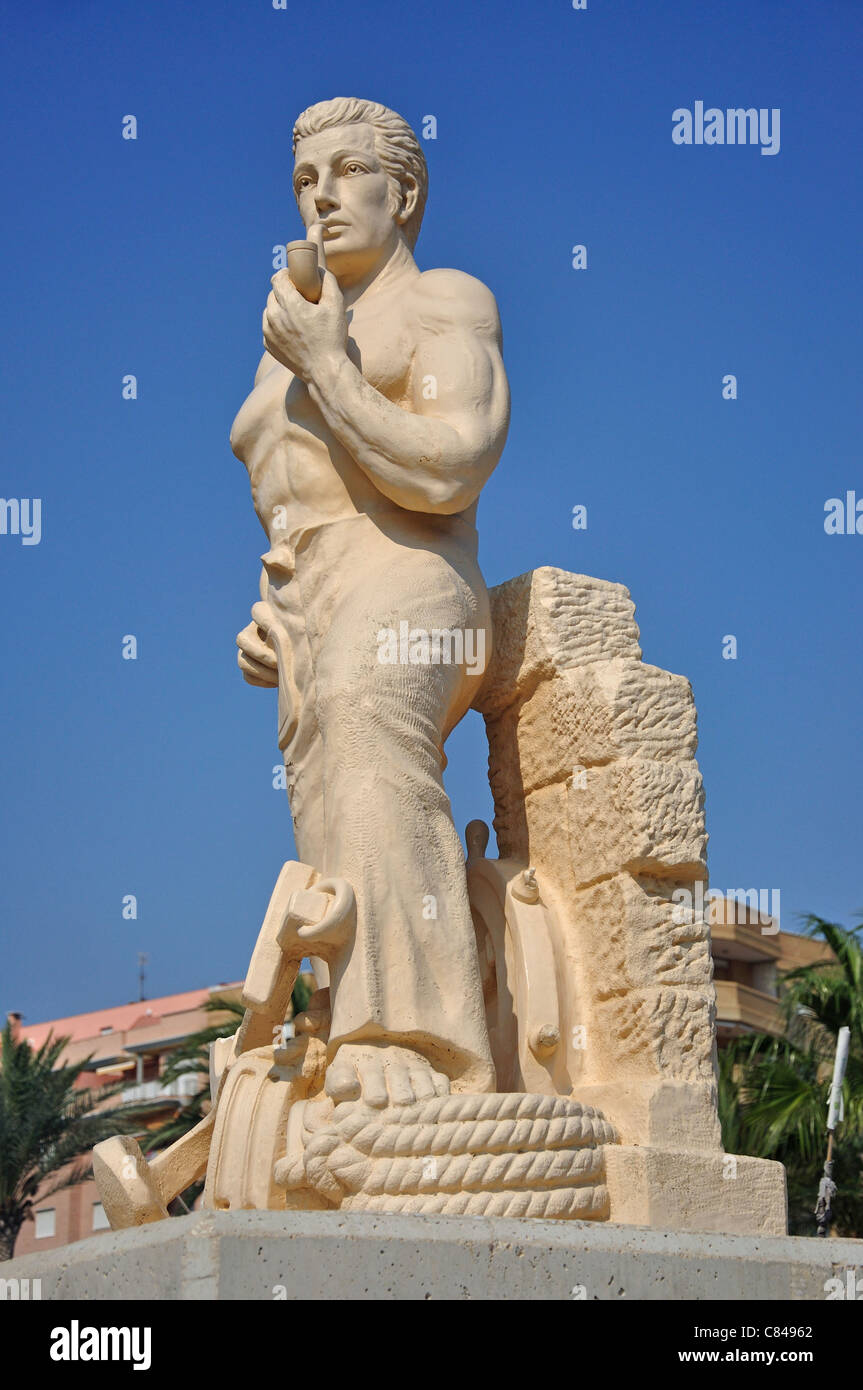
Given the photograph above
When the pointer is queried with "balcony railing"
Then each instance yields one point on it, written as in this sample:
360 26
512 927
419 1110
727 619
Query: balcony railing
742 1005
182 1088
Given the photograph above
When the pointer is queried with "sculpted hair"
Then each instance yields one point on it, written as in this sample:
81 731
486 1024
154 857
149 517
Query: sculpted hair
397 147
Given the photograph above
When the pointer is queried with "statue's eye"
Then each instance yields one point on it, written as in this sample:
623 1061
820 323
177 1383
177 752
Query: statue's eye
354 168
302 182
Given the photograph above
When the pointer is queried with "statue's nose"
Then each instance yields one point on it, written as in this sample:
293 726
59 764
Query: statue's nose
325 194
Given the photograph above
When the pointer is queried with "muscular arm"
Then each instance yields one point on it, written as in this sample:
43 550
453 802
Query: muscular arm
436 454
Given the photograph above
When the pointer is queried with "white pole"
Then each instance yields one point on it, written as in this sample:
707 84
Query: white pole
835 1115
835 1112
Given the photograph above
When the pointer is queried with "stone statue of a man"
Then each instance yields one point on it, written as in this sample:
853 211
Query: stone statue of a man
377 414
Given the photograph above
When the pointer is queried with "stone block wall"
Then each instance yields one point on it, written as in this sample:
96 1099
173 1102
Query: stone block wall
595 784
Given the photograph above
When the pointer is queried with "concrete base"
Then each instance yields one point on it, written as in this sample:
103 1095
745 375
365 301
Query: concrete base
360 1255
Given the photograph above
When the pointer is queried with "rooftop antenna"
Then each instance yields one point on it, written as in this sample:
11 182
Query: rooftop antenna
142 974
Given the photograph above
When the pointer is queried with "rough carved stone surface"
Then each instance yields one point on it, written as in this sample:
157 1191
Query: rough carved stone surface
639 942
548 621
665 1031
592 768
640 815
609 709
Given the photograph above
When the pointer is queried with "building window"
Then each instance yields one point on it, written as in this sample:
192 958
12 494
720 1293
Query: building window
100 1220
46 1223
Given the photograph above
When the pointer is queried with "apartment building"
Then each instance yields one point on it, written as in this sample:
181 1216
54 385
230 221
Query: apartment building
749 956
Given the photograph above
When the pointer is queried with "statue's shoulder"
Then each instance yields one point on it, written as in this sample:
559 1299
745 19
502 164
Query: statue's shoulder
451 297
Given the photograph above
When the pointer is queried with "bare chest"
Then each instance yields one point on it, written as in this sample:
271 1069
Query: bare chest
381 347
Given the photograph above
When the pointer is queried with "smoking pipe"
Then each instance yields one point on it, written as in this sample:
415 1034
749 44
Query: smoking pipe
304 269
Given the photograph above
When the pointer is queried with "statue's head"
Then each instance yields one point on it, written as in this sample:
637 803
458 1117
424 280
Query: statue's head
360 170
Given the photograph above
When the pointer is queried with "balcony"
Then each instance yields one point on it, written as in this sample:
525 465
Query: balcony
739 941
747 1009
182 1089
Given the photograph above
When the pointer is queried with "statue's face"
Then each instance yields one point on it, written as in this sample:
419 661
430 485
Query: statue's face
339 181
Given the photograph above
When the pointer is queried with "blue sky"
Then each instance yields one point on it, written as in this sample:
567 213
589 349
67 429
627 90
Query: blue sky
153 257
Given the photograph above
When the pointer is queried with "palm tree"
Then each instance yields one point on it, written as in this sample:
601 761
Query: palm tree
47 1127
774 1091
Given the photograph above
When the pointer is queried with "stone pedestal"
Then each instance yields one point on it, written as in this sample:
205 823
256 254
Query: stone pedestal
685 1190
338 1256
